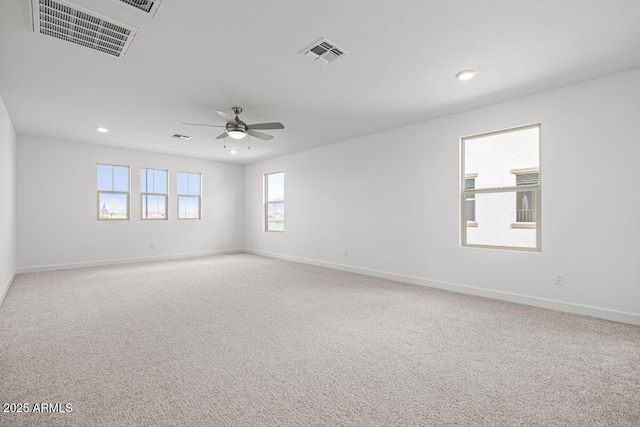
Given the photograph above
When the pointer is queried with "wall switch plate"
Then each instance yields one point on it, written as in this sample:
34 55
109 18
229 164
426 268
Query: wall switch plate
558 279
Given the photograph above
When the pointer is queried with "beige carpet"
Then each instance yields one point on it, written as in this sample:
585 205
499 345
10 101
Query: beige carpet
242 340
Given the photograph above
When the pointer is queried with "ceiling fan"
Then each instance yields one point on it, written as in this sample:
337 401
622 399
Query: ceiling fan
237 129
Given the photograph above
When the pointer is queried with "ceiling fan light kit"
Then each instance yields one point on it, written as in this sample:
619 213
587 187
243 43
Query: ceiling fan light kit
236 133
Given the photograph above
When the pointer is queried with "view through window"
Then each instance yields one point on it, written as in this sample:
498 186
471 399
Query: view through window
153 188
501 207
274 201
469 184
189 195
113 192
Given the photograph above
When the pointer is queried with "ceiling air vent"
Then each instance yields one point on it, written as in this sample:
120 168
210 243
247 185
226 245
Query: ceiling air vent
147 6
76 25
323 51
183 137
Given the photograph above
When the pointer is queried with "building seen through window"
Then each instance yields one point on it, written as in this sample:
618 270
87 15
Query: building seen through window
500 195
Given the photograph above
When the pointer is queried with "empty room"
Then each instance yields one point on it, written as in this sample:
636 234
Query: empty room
301 213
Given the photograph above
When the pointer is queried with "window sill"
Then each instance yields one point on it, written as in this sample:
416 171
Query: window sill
472 224
523 225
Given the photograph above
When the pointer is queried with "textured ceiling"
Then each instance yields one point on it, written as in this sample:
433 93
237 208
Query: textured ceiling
198 56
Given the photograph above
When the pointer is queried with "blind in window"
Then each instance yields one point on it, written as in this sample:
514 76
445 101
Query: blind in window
469 183
527 178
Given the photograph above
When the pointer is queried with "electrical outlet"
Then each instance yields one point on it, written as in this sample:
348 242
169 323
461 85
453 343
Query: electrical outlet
559 279
344 252
152 246
9 262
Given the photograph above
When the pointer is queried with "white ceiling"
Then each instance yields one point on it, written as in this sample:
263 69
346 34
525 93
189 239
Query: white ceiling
198 56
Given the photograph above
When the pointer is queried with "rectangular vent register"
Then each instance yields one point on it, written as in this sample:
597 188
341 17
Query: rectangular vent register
70 23
147 6
324 52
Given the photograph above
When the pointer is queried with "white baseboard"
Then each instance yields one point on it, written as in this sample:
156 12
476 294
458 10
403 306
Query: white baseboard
6 289
123 261
601 313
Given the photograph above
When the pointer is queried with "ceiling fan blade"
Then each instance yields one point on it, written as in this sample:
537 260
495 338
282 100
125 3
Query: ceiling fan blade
200 124
223 135
228 117
266 126
259 135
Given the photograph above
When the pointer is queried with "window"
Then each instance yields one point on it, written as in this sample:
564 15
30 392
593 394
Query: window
188 195
501 199
470 184
274 201
153 193
113 192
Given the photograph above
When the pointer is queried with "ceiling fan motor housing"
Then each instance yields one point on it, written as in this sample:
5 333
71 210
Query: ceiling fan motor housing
240 127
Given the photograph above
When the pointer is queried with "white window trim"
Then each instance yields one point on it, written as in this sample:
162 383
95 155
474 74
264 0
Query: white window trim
166 198
525 171
267 203
199 196
126 193
535 188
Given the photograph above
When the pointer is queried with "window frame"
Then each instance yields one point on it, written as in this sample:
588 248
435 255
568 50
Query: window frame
267 202
146 193
199 196
126 193
536 188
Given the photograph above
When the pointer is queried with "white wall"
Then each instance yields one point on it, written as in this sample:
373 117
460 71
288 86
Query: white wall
56 207
7 201
392 199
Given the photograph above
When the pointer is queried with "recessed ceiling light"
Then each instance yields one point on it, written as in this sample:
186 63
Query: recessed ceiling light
233 151
466 74
103 130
